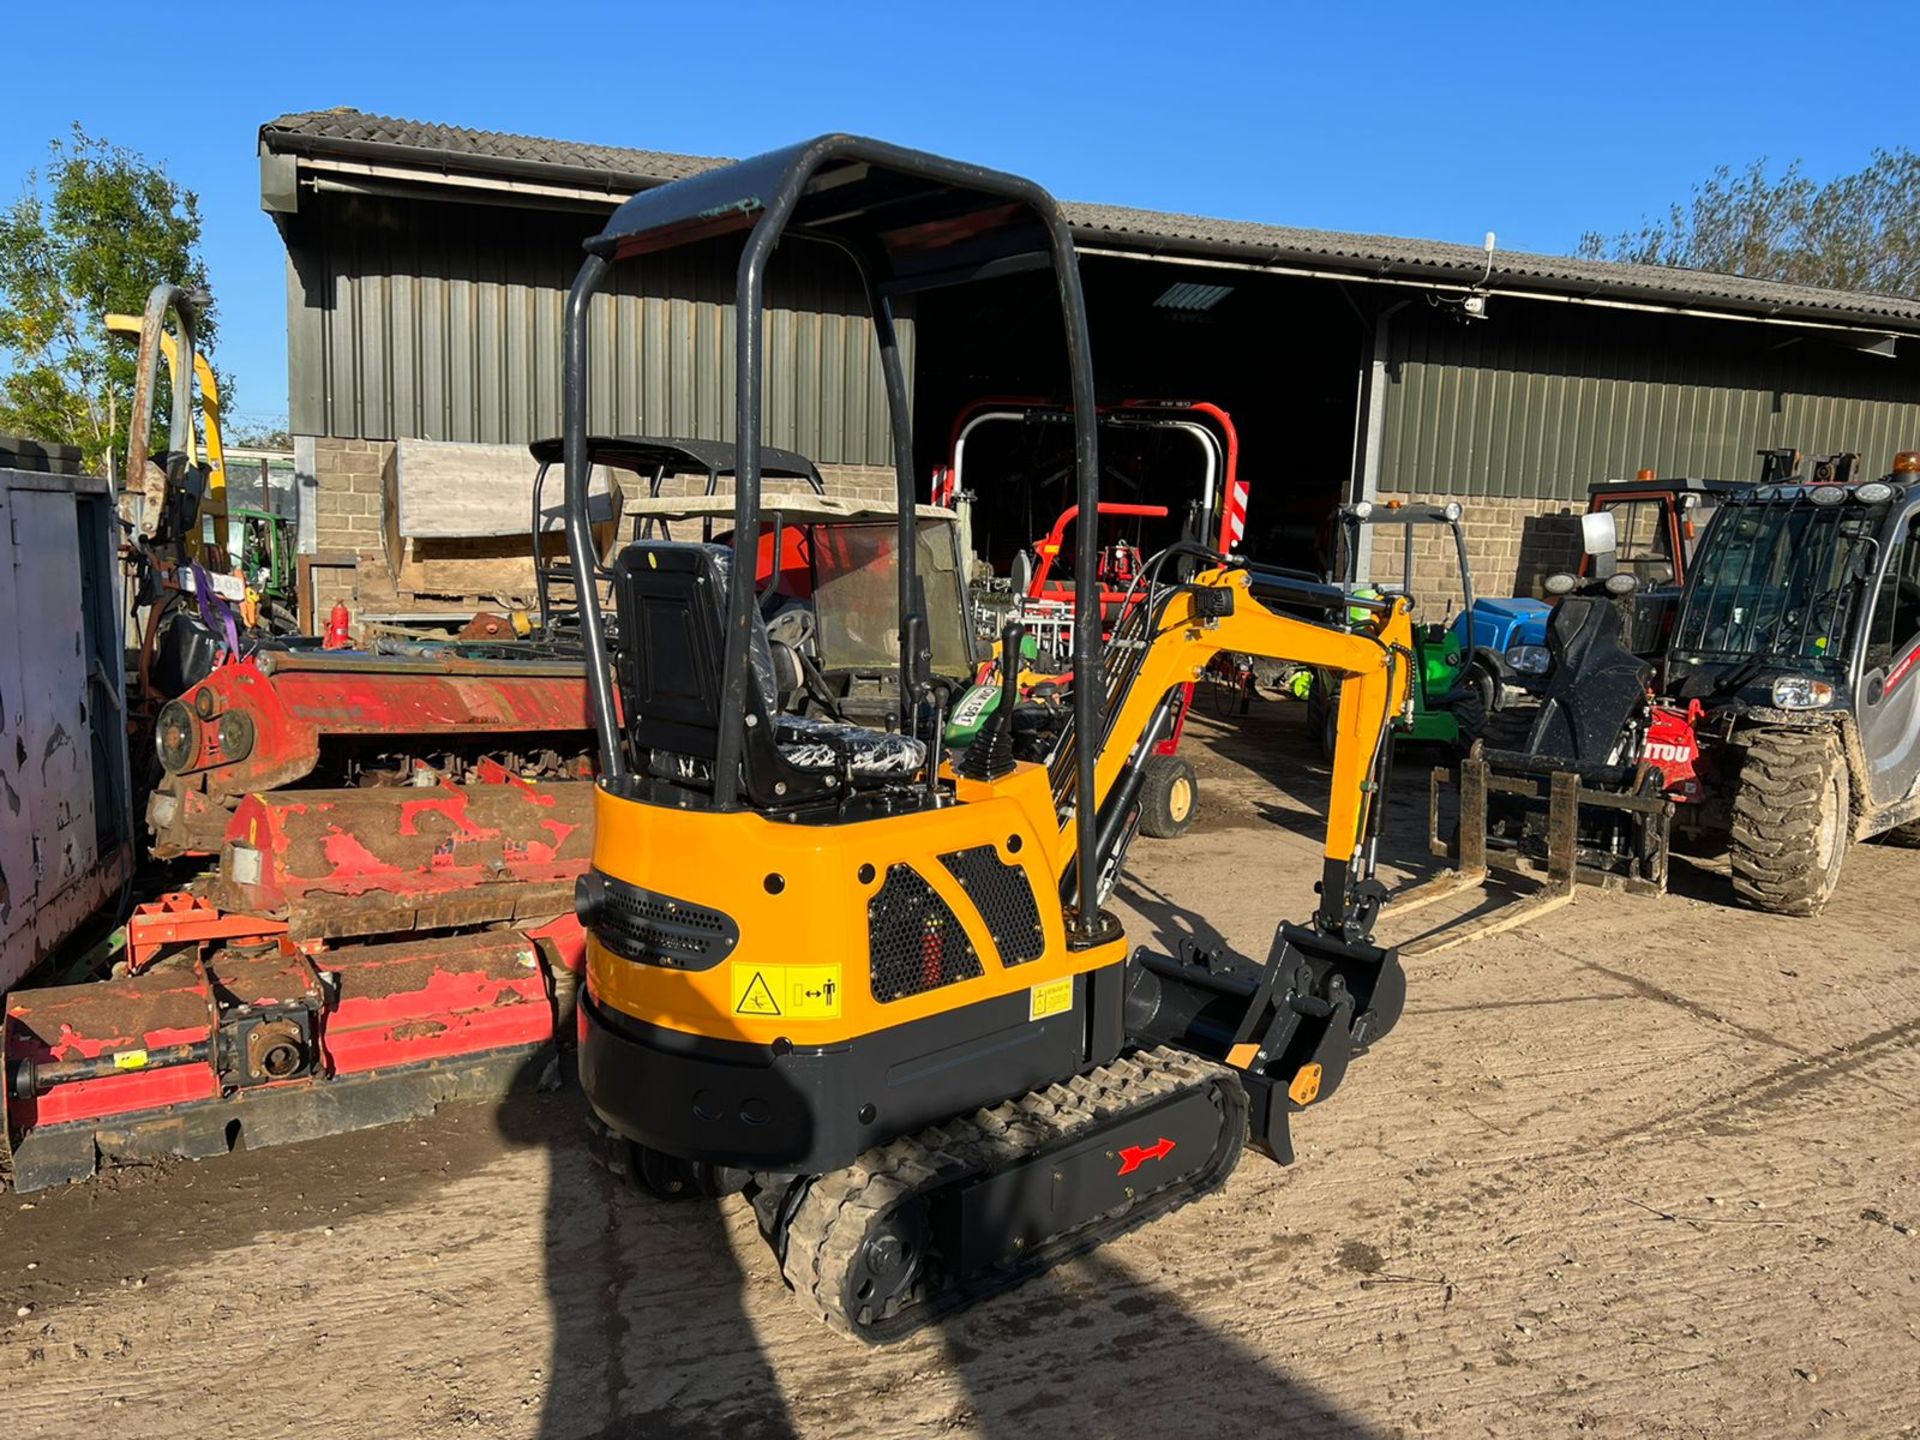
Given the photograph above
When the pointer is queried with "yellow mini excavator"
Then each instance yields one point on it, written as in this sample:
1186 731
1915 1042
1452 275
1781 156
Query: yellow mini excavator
874 987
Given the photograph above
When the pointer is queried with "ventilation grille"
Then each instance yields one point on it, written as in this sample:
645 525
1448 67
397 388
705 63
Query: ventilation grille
1004 898
657 929
914 940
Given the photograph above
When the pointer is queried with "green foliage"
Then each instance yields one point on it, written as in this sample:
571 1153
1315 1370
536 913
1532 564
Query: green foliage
259 436
92 233
1854 232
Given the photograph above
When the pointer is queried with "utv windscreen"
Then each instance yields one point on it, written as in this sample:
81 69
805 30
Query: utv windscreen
1780 582
849 572
1642 543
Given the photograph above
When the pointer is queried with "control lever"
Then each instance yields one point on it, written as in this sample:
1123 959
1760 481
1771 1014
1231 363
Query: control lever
991 754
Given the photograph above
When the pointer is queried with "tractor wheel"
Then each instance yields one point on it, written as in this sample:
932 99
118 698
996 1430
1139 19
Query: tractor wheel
1508 729
1168 792
1472 709
1791 819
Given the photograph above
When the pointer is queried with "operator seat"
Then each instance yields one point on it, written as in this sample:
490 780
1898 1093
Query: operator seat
1595 688
671 599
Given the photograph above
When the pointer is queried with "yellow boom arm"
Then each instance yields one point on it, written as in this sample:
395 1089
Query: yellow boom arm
214 504
1374 663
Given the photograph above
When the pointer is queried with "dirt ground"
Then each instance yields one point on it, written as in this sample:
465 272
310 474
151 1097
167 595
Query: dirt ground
1647 1168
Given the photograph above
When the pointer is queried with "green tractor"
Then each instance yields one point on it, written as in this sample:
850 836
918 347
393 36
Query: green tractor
1460 666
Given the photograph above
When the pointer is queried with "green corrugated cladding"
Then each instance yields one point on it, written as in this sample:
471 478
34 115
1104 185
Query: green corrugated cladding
1539 400
431 321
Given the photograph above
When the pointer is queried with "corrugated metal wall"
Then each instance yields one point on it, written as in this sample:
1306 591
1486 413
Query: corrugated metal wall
442 322
1539 400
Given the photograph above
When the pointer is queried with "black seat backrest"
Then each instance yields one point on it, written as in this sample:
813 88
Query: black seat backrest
1596 684
671 599
667 663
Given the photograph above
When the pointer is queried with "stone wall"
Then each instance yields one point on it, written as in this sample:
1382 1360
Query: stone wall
1512 545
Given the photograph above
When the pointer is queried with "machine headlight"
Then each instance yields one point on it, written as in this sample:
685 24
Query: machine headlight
176 736
1363 510
1827 494
1452 510
1560 583
1529 659
1801 692
1873 492
1623 582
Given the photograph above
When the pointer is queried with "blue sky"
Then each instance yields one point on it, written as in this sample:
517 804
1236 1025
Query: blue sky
1533 120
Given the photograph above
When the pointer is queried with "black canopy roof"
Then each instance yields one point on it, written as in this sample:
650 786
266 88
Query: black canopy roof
675 456
915 220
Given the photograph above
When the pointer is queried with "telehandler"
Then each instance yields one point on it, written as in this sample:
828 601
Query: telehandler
877 993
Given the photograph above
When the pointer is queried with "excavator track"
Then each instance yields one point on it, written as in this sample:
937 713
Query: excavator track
911 1232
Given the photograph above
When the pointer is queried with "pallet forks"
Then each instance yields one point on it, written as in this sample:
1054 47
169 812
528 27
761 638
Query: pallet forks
1557 830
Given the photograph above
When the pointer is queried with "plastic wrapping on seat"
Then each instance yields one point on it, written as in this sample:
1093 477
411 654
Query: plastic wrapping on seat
807 743
760 647
810 744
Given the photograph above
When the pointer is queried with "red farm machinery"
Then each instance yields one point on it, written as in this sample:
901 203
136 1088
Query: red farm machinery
1152 449
358 900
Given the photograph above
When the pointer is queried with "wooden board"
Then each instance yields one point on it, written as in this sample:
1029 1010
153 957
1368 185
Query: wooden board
447 490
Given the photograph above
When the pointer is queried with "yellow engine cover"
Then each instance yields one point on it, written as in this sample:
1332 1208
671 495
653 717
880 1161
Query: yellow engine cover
841 927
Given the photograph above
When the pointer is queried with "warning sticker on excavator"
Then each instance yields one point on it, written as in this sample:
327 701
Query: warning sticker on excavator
1055 997
804 992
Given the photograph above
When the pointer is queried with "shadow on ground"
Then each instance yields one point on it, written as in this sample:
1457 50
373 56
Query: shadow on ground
654 1339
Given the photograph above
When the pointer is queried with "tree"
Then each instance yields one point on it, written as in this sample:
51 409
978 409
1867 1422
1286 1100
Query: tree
260 435
1854 232
93 233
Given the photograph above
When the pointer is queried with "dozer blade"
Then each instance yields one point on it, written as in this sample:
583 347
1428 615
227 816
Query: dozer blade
927 1224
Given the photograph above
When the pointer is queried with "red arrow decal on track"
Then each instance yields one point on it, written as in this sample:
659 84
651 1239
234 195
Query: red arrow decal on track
1132 1157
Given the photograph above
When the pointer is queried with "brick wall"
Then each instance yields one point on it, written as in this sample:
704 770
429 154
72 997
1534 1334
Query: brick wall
1512 545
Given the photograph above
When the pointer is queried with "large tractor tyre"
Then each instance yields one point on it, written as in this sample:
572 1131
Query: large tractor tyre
1472 708
1168 793
1509 728
1791 819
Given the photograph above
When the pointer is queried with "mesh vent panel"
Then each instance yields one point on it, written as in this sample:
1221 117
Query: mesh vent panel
657 929
914 940
1004 898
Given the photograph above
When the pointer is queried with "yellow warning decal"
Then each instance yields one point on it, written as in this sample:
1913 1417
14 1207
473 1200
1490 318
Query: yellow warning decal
803 992
129 1059
1055 997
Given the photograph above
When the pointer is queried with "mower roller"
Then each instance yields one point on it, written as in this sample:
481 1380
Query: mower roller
878 993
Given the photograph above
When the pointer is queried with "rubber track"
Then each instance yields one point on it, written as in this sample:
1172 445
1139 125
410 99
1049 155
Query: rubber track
1776 820
827 1228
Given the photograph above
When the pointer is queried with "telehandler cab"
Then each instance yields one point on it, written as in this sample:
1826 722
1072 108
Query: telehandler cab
880 994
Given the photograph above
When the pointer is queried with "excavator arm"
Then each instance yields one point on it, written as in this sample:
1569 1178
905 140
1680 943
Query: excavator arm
1172 642
157 343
